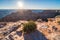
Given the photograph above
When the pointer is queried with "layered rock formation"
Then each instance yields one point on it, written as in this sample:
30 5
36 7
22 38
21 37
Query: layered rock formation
29 15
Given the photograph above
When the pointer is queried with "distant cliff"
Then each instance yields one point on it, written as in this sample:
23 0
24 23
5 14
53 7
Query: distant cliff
29 15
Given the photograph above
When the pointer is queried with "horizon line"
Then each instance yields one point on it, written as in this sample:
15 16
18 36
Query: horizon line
31 9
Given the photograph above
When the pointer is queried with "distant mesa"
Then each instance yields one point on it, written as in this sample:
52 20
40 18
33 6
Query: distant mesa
29 15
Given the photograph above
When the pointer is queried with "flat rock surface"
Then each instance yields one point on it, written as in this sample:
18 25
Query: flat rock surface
11 31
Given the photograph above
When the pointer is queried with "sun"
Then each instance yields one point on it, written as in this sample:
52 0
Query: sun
20 4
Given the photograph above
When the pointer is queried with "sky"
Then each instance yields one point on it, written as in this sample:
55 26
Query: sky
29 4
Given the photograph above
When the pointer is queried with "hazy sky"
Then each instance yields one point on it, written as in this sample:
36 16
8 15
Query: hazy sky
30 4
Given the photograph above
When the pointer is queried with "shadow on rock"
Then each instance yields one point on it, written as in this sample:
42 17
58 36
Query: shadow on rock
37 35
19 33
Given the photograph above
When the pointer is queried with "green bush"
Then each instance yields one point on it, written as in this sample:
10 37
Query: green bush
58 22
29 27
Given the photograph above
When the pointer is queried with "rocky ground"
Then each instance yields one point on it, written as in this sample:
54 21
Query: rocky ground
45 31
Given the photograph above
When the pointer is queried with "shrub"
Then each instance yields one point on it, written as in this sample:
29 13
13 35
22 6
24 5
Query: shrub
58 22
50 19
29 27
